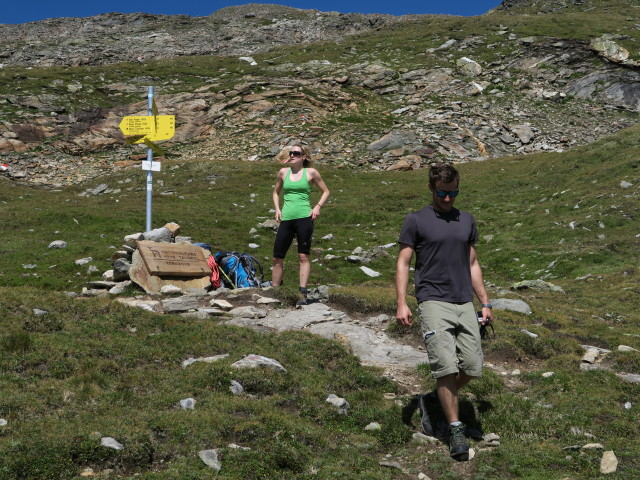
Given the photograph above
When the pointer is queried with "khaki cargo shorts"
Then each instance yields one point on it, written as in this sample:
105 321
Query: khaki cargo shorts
452 338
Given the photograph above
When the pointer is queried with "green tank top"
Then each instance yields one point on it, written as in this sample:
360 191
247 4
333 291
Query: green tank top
296 197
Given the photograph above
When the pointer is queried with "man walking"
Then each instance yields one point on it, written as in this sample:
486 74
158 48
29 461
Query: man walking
447 273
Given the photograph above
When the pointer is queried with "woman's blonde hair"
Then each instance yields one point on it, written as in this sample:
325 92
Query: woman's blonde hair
284 154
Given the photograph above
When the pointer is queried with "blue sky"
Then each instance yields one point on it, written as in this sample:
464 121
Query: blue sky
33 10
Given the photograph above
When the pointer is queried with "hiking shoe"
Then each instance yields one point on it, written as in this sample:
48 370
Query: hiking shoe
303 297
458 446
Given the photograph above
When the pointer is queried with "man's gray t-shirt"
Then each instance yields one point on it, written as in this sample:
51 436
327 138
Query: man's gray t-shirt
441 242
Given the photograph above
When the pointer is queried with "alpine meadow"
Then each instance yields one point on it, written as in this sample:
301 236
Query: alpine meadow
535 102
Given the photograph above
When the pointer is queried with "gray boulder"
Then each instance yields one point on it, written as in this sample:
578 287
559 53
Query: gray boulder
512 305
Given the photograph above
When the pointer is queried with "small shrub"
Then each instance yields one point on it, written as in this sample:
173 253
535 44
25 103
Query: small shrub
16 342
489 384
626 361
567 361
45 324
544 347
393 431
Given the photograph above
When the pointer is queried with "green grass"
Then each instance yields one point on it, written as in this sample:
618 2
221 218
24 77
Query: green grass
92 367
96 366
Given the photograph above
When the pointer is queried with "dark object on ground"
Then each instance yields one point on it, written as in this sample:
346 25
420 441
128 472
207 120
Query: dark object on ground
433 421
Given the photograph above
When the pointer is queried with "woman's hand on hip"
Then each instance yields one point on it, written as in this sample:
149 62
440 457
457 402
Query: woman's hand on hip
315 212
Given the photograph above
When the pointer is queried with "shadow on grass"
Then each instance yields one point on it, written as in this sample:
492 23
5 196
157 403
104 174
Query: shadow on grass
433 421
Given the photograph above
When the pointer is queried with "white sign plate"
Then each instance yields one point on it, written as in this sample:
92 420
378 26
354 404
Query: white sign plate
153 166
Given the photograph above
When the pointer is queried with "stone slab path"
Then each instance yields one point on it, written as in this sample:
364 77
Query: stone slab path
370 344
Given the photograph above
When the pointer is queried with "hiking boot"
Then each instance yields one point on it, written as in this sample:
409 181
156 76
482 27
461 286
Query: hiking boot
303 297
458 446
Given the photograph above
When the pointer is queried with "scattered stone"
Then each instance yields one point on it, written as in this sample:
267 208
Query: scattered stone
373 426
386 463
257 361
369 272
148 305
249 60
220 303
591 355
422 438
536 285
629 377
468 66
511 305
528 333
342 405
58 244
180 304
210 459
548 374
593 446
491 437
609 462
121 268
38 312
3 422
212 359
188 403
264 300
625 348
248 311
110 442
236 388
233 446
170 289
271 224
84 261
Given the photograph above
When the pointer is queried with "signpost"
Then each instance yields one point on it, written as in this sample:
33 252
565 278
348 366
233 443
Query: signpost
147 130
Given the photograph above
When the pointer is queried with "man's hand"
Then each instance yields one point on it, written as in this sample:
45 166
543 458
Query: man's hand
404 315
487 315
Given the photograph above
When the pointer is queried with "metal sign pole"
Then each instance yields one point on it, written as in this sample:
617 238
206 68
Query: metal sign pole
150 165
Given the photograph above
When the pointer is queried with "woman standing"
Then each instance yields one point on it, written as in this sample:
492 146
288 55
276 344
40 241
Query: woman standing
296 217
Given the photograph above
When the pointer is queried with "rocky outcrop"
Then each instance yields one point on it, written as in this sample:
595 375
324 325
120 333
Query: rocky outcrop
545 95
138 37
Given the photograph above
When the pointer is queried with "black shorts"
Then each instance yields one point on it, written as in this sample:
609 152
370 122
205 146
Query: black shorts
302 228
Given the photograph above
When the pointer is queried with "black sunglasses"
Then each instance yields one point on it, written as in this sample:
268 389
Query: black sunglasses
295 153
444 193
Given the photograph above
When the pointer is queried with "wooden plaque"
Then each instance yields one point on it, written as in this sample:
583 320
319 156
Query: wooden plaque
174 259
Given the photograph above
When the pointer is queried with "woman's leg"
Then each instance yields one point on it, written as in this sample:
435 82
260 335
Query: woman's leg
277 271
305 269
284 238
304 232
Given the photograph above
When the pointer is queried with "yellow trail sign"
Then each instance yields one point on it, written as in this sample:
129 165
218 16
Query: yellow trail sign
153 127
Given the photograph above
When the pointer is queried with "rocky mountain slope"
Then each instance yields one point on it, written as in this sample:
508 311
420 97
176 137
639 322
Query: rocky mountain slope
367 91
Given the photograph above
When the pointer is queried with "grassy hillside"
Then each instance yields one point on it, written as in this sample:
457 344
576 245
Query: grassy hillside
92 368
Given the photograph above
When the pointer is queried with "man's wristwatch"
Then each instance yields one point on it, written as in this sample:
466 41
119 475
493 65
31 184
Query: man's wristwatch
487 305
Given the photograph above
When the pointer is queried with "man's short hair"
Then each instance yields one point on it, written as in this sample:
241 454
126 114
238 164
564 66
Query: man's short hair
443 172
